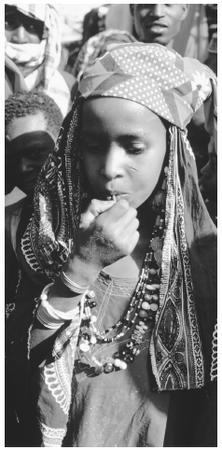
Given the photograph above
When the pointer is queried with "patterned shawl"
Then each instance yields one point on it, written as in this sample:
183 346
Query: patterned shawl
174 88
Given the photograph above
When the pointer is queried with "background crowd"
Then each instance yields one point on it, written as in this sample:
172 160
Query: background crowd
45 58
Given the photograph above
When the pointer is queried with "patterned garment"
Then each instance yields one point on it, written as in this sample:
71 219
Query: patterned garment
96 46
174 88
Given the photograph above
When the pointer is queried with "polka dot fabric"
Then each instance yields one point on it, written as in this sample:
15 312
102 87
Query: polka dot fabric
152 75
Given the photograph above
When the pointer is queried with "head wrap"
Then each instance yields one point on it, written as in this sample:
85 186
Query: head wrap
96 46
52 33
173 87
164 82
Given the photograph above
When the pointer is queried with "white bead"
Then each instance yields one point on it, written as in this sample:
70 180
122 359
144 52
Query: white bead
145 305
93 319
91 294
84 346
117 362
123 365
93 340
154 307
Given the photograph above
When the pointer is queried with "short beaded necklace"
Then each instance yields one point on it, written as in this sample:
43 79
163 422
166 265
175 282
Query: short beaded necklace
140 314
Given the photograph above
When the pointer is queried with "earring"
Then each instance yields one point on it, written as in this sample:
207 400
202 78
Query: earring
159 196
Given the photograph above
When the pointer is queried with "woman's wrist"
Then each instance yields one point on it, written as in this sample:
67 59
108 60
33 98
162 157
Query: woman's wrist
82 272
60 297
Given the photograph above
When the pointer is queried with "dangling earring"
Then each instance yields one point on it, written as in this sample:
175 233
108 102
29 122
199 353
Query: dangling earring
158 198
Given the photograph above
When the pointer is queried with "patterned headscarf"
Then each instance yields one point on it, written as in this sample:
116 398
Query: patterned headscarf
52 33
96 46
161 80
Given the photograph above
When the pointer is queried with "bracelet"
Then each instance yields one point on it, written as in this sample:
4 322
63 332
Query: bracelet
49 316
72 285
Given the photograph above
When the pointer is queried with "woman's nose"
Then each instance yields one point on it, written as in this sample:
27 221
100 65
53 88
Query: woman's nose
113 163
19 35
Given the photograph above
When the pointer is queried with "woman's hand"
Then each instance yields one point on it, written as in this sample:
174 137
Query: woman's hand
108 231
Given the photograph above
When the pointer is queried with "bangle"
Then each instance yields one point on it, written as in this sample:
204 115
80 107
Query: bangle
72 285
49 316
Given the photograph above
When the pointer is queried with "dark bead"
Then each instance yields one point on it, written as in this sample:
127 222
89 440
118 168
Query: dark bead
86 336
129 358
143 313
129 345
108 367
92 304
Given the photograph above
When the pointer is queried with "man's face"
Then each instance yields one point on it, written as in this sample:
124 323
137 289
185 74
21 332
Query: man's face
158 23
25 166
21 29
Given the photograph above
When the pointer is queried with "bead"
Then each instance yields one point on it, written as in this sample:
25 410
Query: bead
152 287
129 344
92 304
108 367
145 327
93 340
155 297
145 306
93 319
130 358
143 313
154 307
148 297
84 346
117 362
136 351
85 336
152 271
122 365
90 294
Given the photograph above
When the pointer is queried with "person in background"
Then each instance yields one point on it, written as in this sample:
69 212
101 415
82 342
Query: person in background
33 52
93 24
157 23
32 124
121 343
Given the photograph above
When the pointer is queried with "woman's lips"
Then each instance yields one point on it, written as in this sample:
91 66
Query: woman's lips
116 195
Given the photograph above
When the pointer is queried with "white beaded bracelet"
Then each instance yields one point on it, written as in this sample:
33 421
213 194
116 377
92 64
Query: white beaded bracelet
72 285
50 317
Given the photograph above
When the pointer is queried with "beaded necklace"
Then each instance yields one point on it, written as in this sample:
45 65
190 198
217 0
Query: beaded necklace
140 314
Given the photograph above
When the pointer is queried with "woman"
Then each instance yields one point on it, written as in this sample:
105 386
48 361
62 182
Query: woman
124 331
33 52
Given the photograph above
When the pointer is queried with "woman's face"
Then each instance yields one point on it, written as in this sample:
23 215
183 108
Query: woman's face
123 145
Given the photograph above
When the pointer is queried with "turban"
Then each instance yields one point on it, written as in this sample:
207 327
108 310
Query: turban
171 86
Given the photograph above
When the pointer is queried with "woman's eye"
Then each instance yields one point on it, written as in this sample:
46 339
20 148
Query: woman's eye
135 149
